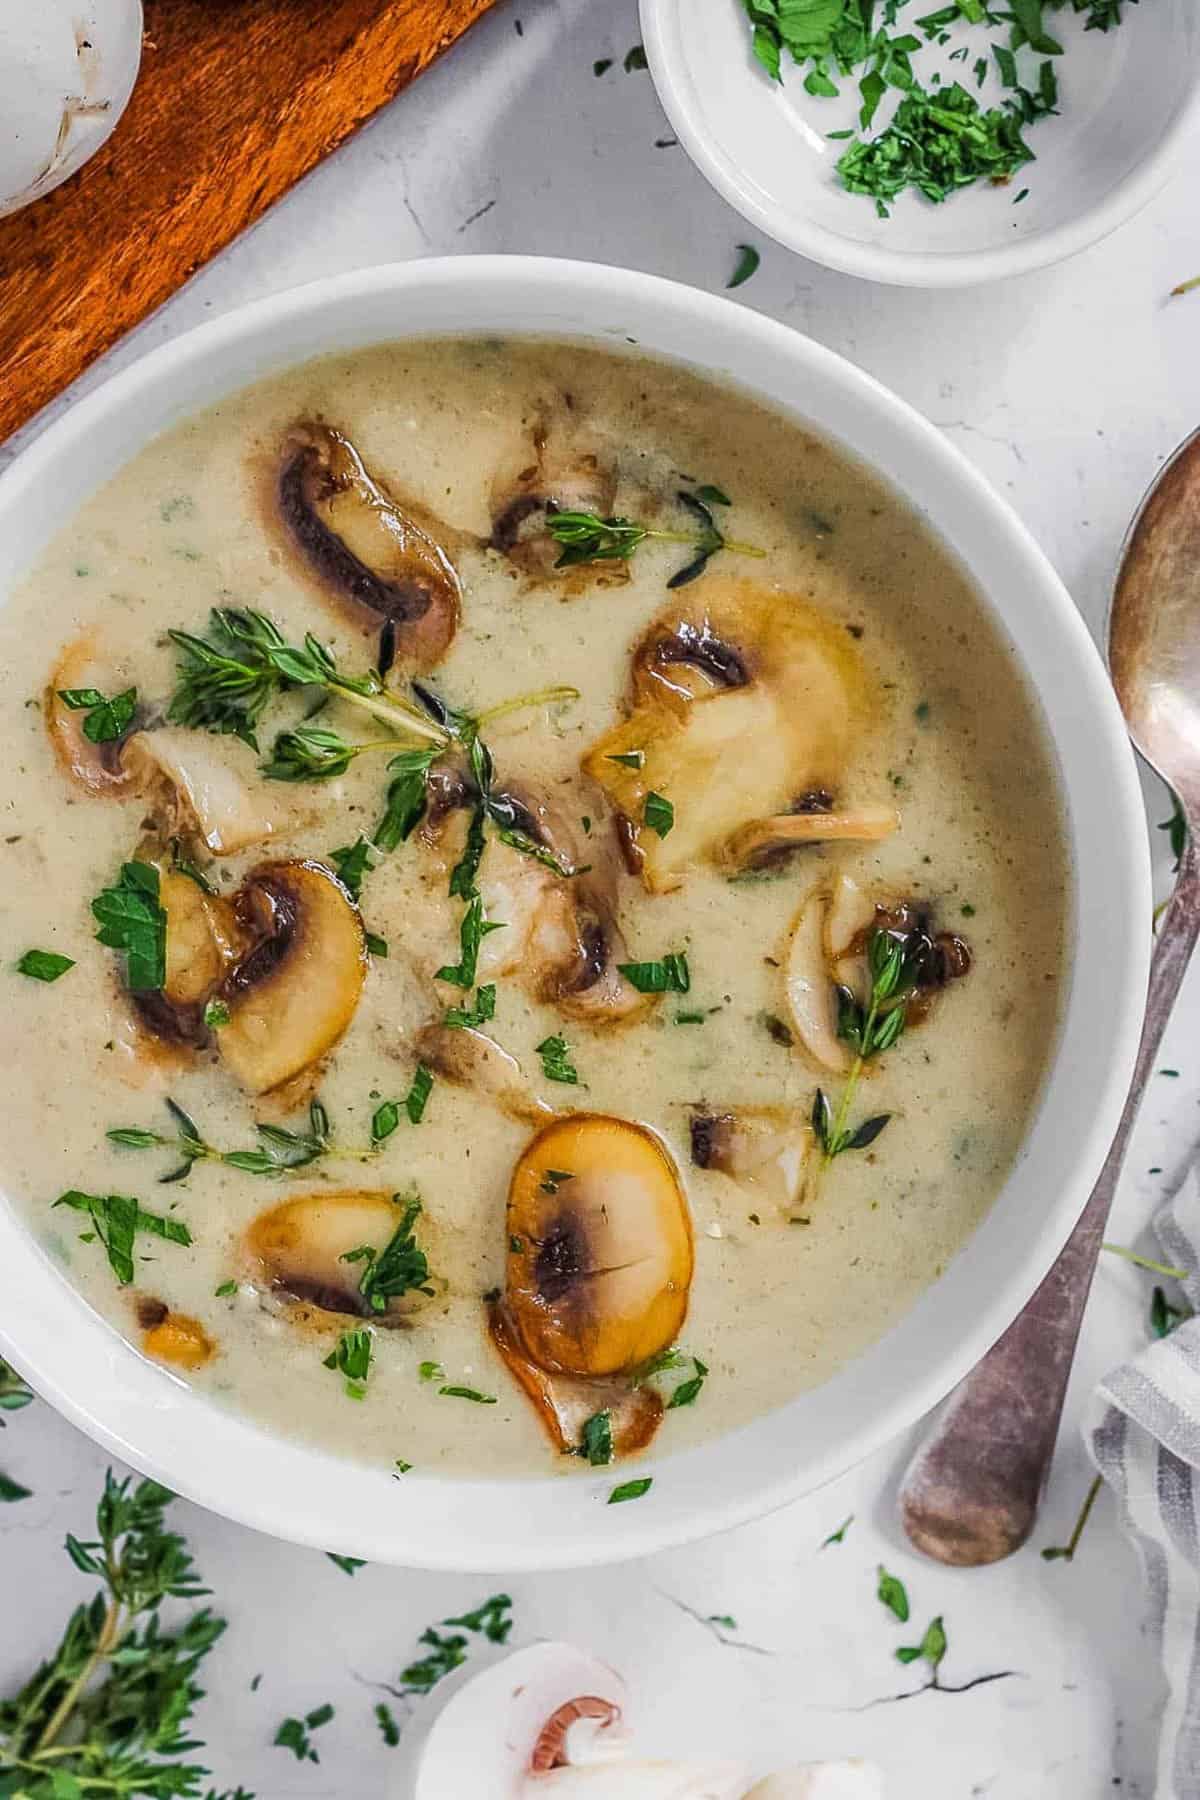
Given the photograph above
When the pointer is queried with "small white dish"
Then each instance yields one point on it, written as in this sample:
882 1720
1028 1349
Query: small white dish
1128 98
147 1416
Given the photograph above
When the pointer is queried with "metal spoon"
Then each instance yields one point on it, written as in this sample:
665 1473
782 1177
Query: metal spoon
972 1491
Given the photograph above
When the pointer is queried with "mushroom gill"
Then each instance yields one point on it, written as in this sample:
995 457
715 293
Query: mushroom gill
292 995
562 472
827 955
324 1253
381 560
597 1275
744 701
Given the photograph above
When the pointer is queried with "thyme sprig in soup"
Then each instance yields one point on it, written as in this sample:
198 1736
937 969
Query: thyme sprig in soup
520 855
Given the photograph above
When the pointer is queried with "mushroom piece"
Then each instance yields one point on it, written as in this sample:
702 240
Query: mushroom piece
564 474
827 952
600 1247
762 1147
97 768
744 699
293 994
382 561
299 1250
196 790
180 1340
471 1059
203 942
764 840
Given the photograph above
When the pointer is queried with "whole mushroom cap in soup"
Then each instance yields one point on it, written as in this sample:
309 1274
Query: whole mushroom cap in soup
745 700
600 1250
293 995
381 560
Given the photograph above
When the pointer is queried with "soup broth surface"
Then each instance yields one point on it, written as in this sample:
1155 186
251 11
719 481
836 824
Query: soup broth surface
788 1284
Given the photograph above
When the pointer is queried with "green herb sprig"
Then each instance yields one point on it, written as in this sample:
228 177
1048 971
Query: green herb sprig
279 1151
585 537
132 919
870 1029
108 1712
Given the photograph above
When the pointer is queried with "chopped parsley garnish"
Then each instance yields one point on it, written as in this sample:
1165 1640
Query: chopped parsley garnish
116 1220
349 1565
376 946
15 1394
556 1061
401 1267
431 1371
631 1490
635 58
658 814
417 1097
216 1014
596 1442
353 864
352 1359
669 975
936 143
106 720
226 1290
468 1393
747 265
131 919
293 1733
460 1018
893 1594
629 759
44 965
552 1179
492 1620
689 1391
472 931
1163 1316
386 1721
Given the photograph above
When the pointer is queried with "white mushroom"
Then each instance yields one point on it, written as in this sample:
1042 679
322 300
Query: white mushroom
822 935
766 1148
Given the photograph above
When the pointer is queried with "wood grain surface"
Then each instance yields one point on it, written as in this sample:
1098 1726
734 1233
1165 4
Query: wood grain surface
237 99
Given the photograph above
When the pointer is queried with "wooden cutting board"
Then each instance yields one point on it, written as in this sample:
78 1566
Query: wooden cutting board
236 100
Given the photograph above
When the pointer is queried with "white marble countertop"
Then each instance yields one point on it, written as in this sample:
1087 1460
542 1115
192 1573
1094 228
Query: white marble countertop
1067 389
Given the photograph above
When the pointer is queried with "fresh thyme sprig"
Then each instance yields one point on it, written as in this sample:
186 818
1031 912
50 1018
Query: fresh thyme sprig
584 537
869 1028
279 1152
108 1712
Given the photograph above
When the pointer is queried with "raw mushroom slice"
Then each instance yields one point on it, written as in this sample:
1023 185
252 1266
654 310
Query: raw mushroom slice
293 994
481 1744
744 699
97 768
599 1247
298 1249
822 1781
196 789
471 1059
564 473
767 1148
382 561
763 839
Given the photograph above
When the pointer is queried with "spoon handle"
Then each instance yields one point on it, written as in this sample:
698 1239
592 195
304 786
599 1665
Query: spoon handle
971 1493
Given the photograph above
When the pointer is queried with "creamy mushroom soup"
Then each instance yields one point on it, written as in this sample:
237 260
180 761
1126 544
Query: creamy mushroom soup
566 900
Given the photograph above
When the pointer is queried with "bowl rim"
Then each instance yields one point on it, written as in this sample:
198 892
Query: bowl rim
873 262
148 1417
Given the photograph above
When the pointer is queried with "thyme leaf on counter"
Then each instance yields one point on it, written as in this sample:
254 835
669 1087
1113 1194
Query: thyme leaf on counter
108 1711
131 919
892 1593
747 265
106 720
116 1221
931 1649
278 1152
293 1733
585 537
44 965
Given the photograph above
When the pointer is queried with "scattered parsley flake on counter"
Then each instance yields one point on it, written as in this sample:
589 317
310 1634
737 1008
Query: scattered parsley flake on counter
1172 1072
839 1536
386 1721
468 1393
1164 1317
931 1649
596 1441
635 58
893 1594
44 965
747 264
293 1733
493 1619
630 1490
106 720
556 1061
658 814
131 919
10 1492
117 1218
1186 287
668 975
349 1565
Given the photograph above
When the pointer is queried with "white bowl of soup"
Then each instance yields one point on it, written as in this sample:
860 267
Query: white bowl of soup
583 832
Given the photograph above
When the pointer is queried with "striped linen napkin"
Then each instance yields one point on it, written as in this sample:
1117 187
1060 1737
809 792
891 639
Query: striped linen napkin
1143 1430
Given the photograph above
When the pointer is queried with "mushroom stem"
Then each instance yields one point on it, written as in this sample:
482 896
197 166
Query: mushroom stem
865 825
394 710
551 696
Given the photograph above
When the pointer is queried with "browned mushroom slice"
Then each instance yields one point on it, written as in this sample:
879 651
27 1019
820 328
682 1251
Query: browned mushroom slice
204 940
382 560
744 699
766 1148
563 474
471 1059
98 768
179 1339
762 840
317 1250
575 955
293 994
565 1406
599 1247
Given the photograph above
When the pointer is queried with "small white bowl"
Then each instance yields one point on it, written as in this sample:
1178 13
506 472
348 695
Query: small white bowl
150 1418
1128 99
